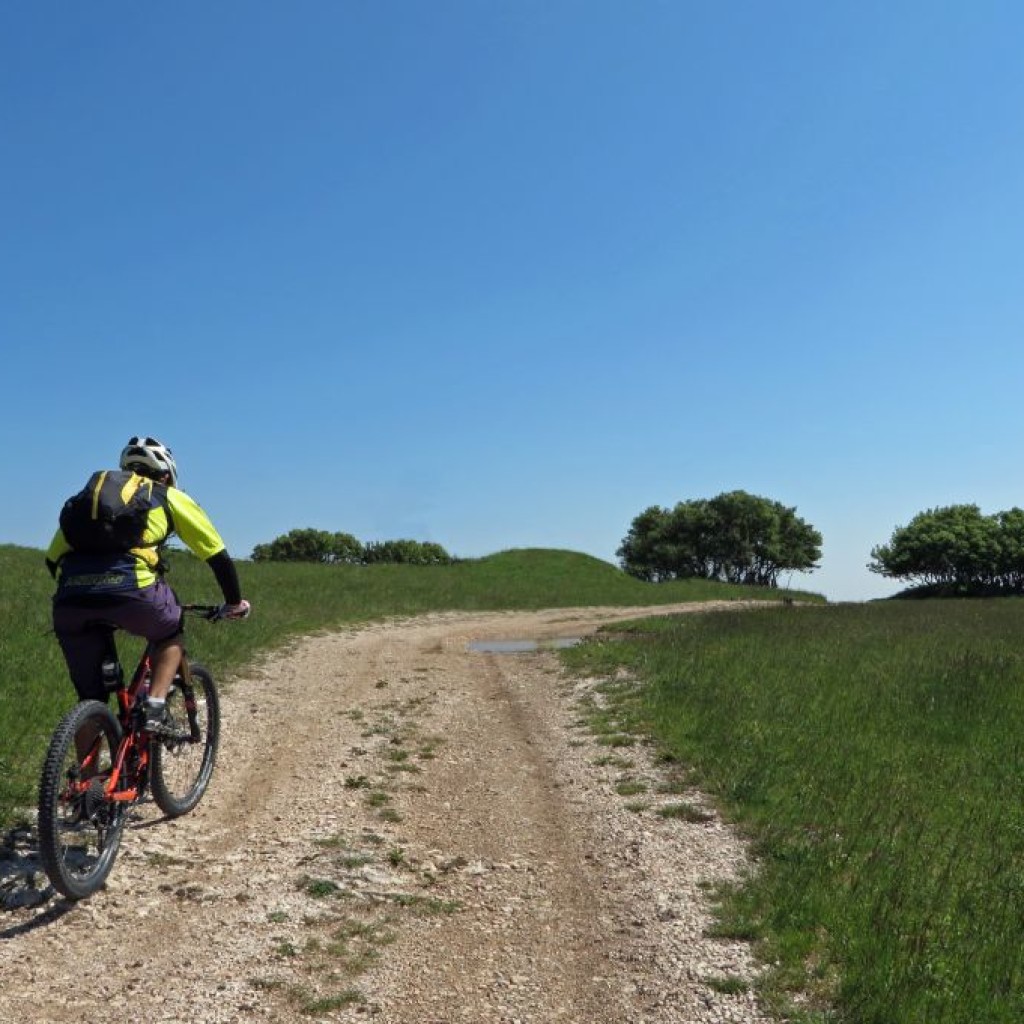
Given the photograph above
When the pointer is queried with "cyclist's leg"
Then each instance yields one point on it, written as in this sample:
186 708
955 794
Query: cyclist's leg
155 614
166 659
84 643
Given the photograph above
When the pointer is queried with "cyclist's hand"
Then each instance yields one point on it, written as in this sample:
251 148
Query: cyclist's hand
234 611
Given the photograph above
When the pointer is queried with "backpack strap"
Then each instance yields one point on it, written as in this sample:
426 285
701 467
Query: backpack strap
156 494
97 487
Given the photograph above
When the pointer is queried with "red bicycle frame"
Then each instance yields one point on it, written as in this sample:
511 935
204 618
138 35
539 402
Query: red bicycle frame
130 770
131 764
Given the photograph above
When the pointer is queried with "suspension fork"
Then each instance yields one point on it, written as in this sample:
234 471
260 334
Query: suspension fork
189 693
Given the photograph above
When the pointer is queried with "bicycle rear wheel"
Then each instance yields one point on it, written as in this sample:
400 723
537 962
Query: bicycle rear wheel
79 829
182 761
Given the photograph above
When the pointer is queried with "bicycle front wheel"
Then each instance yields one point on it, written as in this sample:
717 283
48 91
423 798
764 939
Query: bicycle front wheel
79 829
182 759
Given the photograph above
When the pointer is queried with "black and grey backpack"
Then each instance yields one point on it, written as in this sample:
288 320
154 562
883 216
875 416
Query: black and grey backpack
109 513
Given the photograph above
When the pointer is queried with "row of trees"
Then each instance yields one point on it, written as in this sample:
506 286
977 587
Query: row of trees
957 548
735 537
738 537
742 538
309 545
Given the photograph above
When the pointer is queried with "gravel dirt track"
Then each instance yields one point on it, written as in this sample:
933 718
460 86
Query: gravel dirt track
398 830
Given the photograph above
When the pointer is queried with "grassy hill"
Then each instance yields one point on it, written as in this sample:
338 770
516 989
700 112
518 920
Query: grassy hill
289 600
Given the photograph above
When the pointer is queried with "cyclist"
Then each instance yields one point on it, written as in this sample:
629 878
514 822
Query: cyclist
100 587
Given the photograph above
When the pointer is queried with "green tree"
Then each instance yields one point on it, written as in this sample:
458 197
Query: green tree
956 547
1011 548
309 545
642 549
735 537
346 550
406 552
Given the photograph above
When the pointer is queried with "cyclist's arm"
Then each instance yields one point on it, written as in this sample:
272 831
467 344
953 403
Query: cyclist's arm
193 526
227 576
58 548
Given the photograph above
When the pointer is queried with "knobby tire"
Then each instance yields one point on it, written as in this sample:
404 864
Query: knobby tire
181 764
79 834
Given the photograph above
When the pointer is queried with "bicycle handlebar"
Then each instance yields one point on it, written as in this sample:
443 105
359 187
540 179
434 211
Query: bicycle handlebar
217 612
212 612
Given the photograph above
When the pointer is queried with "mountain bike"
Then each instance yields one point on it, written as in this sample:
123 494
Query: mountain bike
100 764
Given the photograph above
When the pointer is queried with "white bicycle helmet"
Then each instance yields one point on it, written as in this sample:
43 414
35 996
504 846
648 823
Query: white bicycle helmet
146 455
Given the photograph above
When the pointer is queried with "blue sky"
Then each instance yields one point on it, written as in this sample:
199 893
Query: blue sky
503 274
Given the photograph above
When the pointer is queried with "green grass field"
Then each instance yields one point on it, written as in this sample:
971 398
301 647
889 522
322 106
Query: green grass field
289 600
874 754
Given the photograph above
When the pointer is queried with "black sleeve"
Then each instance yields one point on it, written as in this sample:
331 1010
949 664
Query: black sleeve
52 567
227 576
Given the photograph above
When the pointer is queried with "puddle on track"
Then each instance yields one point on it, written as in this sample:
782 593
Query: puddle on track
522 646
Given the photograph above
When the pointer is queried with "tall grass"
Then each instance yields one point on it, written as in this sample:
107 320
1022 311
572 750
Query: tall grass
876 755
289 600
